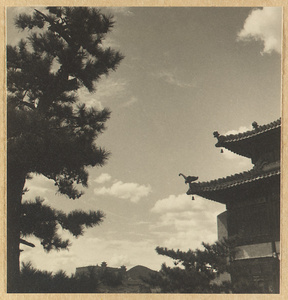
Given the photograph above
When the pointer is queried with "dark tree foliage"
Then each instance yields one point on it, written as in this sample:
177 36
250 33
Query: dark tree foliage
42 221
37 281
111 279
195 270
49 131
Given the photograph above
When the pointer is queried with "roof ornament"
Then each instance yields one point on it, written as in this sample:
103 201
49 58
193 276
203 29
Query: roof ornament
255 125
189 179
216 134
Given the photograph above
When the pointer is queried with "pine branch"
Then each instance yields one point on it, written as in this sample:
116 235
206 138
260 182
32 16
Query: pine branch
27 243
42 221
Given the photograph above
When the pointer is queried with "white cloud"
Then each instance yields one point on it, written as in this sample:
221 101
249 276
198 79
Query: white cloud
173 203
90 99
107 89
39 185
264 25
131 191
180 203
37 189
109 42
92 251
104 177
112 89
130 102
120 260
192 222
170 78
191 239
240 130
188 220
244 163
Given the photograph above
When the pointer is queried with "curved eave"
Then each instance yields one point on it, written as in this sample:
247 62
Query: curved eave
220 190
248 134
241 143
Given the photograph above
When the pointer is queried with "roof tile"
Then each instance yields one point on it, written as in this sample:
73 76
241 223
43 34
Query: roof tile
222 139
230 181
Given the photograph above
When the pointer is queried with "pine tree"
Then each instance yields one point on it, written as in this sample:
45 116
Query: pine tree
40 220
195 271
49 131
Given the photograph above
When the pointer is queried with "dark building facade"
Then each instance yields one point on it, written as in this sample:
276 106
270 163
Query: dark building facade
252 202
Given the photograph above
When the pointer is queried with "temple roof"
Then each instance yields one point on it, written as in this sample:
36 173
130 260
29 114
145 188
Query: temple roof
253 144
241 143
215 189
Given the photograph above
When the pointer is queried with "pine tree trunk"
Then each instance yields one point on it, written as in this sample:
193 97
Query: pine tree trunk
15 185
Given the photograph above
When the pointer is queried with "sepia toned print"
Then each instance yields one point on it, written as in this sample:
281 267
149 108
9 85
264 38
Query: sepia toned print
113 115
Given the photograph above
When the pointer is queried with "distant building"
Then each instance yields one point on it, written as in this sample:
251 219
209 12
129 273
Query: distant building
252 202
135 280
99 270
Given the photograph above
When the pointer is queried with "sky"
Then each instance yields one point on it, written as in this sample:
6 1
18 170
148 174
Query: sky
187 72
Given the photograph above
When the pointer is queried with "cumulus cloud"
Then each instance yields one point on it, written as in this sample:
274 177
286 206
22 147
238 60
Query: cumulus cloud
240 130
104 177
191 222
45 188
264 25
180 203
52 261
92 251
130 190
39 185
172 203
243 163
120 260
191 238
188 220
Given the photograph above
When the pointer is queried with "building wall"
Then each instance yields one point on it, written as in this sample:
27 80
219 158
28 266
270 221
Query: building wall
254 217
254 251
222 226
258 275
254 214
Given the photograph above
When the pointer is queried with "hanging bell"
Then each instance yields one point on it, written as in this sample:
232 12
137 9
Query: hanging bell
193 198
221 151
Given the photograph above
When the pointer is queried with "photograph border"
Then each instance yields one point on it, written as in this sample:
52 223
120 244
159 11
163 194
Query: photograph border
284 142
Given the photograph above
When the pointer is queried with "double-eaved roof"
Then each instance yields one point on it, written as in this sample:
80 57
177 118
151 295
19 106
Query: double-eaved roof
223 189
